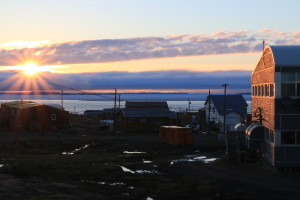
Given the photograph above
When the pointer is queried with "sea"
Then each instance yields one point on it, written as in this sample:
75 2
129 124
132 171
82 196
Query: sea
78 103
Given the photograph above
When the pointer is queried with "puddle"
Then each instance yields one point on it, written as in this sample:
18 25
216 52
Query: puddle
147 172
140 171
102 183
1 165
147 161
75 150
194 158
133 152
127 170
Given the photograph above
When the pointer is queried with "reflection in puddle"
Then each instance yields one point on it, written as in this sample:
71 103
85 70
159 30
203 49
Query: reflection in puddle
75 150
149 198
147 161
102 183
1 165
127 170
133 152
140 171
147 172
194 158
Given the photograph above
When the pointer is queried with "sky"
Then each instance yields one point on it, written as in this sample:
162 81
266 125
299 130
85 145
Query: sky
141 45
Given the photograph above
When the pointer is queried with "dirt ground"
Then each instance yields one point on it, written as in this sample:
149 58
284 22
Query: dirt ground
87 163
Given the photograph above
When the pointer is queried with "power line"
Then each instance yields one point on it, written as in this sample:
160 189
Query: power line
69 88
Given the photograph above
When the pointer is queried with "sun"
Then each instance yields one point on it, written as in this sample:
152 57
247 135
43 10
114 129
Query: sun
30 69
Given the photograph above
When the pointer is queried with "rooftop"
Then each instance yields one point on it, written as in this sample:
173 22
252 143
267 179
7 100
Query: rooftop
21 104
286 55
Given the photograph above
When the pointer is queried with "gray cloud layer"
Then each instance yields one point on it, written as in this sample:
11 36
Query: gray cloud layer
112 50
147 80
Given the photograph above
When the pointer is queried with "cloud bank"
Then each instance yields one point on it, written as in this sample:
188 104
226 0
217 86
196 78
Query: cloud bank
113 50
185 80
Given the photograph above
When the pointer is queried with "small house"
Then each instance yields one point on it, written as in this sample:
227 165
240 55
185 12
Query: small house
28 115
236 111
144 117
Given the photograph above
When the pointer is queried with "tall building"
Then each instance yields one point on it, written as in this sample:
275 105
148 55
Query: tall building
276 98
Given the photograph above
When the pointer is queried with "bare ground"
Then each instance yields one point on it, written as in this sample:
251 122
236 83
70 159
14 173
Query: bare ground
85 163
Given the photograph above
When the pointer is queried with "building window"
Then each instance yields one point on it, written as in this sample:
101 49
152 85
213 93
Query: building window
130 120
290 137
267 90
143 120
258 92
53 117
255 90
271 90
262 90
18 113
288 84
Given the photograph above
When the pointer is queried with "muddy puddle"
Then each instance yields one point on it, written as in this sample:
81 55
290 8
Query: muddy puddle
75 150
194 158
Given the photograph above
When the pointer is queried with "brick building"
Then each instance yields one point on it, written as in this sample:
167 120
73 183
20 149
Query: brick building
276 99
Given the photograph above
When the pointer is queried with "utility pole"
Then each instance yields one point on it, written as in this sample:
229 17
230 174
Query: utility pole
209 108
189 105
224 121
62 99
119 100
115 105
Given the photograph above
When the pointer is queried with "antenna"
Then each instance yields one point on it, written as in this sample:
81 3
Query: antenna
264 45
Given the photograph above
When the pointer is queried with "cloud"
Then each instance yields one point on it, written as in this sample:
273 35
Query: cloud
114 50
185 80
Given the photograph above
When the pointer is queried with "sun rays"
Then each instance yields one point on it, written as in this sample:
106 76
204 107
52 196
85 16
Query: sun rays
28 77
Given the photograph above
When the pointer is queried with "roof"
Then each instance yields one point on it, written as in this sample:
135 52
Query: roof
111 110
148 112
234 103
146 104
288 55
57 106
20 104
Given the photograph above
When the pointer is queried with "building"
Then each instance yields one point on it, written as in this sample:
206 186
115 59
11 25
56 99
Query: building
236 111
144 117
28 115
276 103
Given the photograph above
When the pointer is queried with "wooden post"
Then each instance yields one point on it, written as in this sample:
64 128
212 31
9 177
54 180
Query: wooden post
224 121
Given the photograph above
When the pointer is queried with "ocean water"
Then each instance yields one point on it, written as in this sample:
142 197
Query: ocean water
80 103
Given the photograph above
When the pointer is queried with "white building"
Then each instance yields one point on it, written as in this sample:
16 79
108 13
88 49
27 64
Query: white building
236 111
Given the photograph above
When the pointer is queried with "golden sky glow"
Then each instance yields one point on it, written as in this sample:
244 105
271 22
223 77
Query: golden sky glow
31 68
191 63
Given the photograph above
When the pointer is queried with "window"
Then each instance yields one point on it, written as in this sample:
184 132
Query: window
143 120
255 90
267 90
288 84
53 117
262 90
271 90
258 93
290 137
297 137
130 120
18 113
